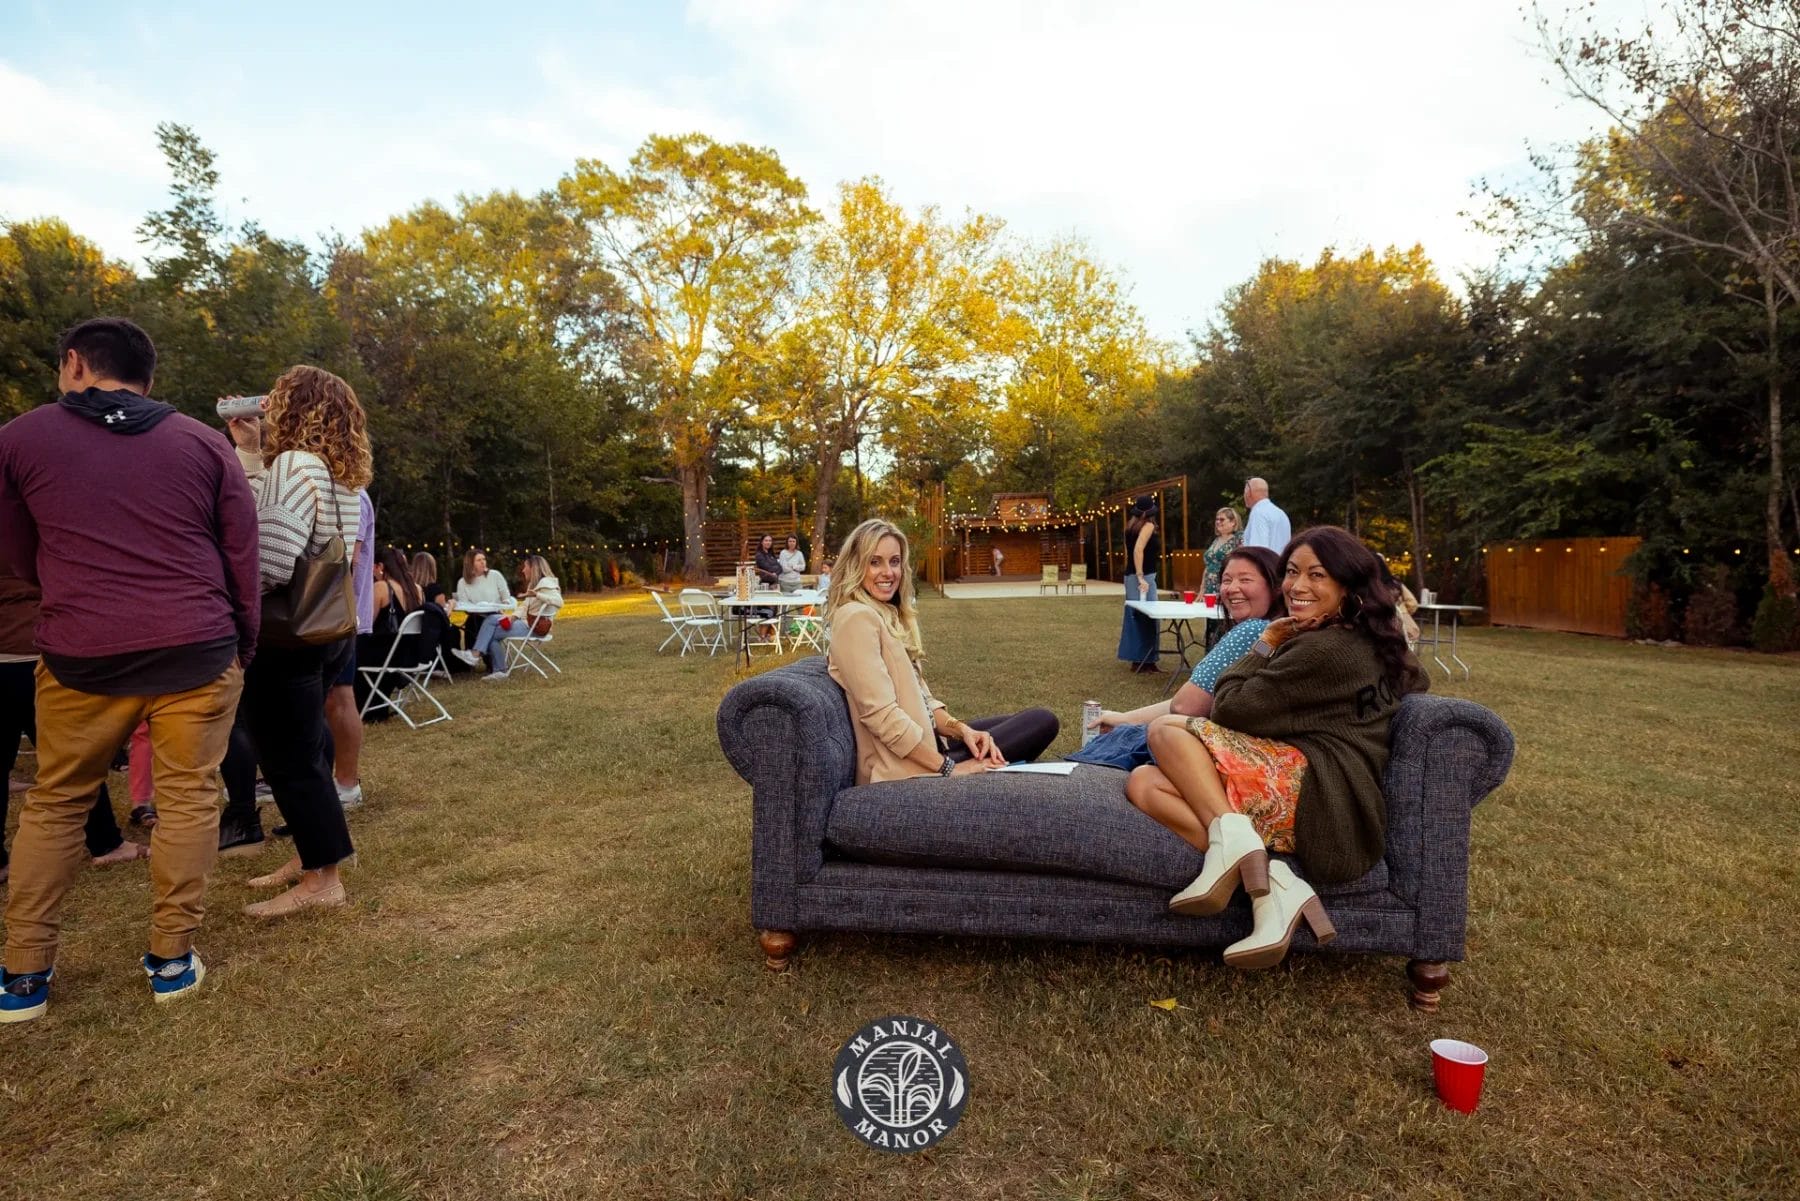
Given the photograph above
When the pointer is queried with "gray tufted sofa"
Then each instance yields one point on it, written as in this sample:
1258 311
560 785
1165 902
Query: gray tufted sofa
1068 857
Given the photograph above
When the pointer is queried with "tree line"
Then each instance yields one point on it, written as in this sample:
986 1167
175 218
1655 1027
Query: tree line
605 363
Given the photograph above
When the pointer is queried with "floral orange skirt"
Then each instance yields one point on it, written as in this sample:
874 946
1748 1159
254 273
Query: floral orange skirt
1262 778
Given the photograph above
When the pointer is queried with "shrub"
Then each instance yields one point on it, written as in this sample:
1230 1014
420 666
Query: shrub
1776 626
1712 612
1647 614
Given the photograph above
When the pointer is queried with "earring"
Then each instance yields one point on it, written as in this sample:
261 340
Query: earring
1348 613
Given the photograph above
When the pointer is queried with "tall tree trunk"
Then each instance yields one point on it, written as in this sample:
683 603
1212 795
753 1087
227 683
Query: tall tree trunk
695 478
1781 573
1415 498
830 463
550 477
862 505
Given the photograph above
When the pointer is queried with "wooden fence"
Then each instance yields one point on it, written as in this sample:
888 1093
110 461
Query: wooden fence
1572 584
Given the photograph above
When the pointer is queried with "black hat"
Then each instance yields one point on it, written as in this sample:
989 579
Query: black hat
1143 504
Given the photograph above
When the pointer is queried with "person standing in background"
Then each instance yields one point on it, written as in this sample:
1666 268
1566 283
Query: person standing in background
1268 526
305 461
108 486
1228 535
1138 639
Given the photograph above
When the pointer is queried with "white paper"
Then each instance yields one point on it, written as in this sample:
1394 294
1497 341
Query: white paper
1042 769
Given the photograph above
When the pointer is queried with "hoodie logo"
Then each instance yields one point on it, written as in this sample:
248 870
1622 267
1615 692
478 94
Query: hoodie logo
115 415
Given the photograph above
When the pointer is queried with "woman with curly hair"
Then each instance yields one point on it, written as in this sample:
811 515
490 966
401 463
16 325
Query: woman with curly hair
1292 758
306 459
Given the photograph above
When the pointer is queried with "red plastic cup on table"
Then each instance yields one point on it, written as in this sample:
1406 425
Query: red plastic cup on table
1187 598
1458 1068
1212 600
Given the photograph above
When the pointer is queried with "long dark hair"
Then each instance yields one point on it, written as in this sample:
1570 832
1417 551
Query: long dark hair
1368 605
400 576
1265 562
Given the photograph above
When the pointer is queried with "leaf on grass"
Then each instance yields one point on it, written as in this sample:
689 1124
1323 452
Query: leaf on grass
1168 1003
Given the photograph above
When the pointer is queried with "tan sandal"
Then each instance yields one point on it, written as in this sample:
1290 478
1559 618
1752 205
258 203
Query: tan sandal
285 876
294 900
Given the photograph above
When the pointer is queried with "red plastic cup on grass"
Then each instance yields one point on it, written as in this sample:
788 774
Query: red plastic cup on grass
1212 600
1187 598
1458 1068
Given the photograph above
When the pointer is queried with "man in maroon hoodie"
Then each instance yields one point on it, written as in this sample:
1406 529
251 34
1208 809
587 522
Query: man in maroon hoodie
139 527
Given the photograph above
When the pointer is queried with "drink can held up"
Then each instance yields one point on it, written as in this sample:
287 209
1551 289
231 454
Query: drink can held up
1090 713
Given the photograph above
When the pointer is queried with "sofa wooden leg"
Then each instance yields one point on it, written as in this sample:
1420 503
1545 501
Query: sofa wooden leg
1428 977
777 947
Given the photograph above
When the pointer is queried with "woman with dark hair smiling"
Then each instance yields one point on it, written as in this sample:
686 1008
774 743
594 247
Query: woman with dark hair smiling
1252 599
1293 755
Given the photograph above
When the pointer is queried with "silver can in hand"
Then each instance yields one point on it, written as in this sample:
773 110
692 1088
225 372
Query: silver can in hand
1090 713
241 406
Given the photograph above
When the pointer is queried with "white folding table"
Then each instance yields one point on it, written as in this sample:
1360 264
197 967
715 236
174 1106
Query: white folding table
1175 617
744 609
1436 639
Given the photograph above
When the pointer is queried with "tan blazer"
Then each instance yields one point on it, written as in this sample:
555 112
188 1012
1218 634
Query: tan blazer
889 701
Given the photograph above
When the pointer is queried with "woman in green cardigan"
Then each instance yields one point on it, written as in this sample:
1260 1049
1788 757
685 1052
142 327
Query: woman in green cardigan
1293 755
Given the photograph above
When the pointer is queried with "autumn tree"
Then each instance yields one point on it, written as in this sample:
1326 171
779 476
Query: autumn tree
1074 348
50 278
701 237
895 309
1702 158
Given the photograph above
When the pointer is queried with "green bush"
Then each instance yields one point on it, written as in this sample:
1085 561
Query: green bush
1647 614
1776 626
1712 612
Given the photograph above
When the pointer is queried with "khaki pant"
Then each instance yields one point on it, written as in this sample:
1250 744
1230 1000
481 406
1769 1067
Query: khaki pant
78 734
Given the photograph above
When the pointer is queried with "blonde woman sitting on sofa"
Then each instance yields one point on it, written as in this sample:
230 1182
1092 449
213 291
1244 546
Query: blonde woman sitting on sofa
902 731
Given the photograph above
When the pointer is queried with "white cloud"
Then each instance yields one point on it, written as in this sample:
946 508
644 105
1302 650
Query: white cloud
1185 141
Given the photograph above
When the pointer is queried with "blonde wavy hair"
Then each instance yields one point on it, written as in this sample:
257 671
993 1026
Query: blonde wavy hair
536 569
313 410
901 616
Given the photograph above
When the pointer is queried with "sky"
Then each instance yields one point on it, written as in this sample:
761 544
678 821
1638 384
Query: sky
1184 142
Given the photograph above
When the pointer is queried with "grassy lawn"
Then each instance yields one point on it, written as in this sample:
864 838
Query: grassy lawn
547 986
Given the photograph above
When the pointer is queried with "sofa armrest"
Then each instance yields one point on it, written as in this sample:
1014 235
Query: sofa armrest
1447 754
787 732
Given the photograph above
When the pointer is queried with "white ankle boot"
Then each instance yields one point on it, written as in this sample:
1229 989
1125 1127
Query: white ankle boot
1277 916
1234 851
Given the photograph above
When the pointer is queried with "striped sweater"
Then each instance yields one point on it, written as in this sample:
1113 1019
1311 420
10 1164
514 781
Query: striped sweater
298 510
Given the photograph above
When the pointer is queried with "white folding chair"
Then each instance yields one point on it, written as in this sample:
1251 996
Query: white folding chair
807 629
770 626
706 621
677 623
416 679
524 647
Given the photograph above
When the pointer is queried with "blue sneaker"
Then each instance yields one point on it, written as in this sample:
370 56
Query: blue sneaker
24 996
175 979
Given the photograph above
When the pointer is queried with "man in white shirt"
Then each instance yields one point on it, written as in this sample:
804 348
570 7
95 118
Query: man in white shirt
1268 525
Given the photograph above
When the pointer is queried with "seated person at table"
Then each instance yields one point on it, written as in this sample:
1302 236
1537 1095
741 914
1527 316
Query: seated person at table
539 600
1406 603
768 566
1293 756
436 628
396 595
479 586
1251 598
791 560
902 730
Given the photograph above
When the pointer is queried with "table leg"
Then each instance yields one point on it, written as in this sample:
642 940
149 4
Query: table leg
1437 642
1453 625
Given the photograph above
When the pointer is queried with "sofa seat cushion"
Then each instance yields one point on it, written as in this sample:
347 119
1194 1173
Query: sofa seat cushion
1074 825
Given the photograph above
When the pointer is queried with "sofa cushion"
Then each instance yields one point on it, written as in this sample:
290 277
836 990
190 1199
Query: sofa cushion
1075 825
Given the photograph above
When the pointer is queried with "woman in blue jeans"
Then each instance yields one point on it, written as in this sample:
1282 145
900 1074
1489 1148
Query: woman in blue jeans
1138 640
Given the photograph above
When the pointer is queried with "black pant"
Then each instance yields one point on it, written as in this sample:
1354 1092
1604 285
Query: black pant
239 773
18 715
1021 736
284 708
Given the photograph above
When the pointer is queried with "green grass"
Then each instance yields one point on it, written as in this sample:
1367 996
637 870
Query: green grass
547 985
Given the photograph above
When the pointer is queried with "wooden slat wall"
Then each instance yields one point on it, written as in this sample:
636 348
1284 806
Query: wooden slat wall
729 542
1572 584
